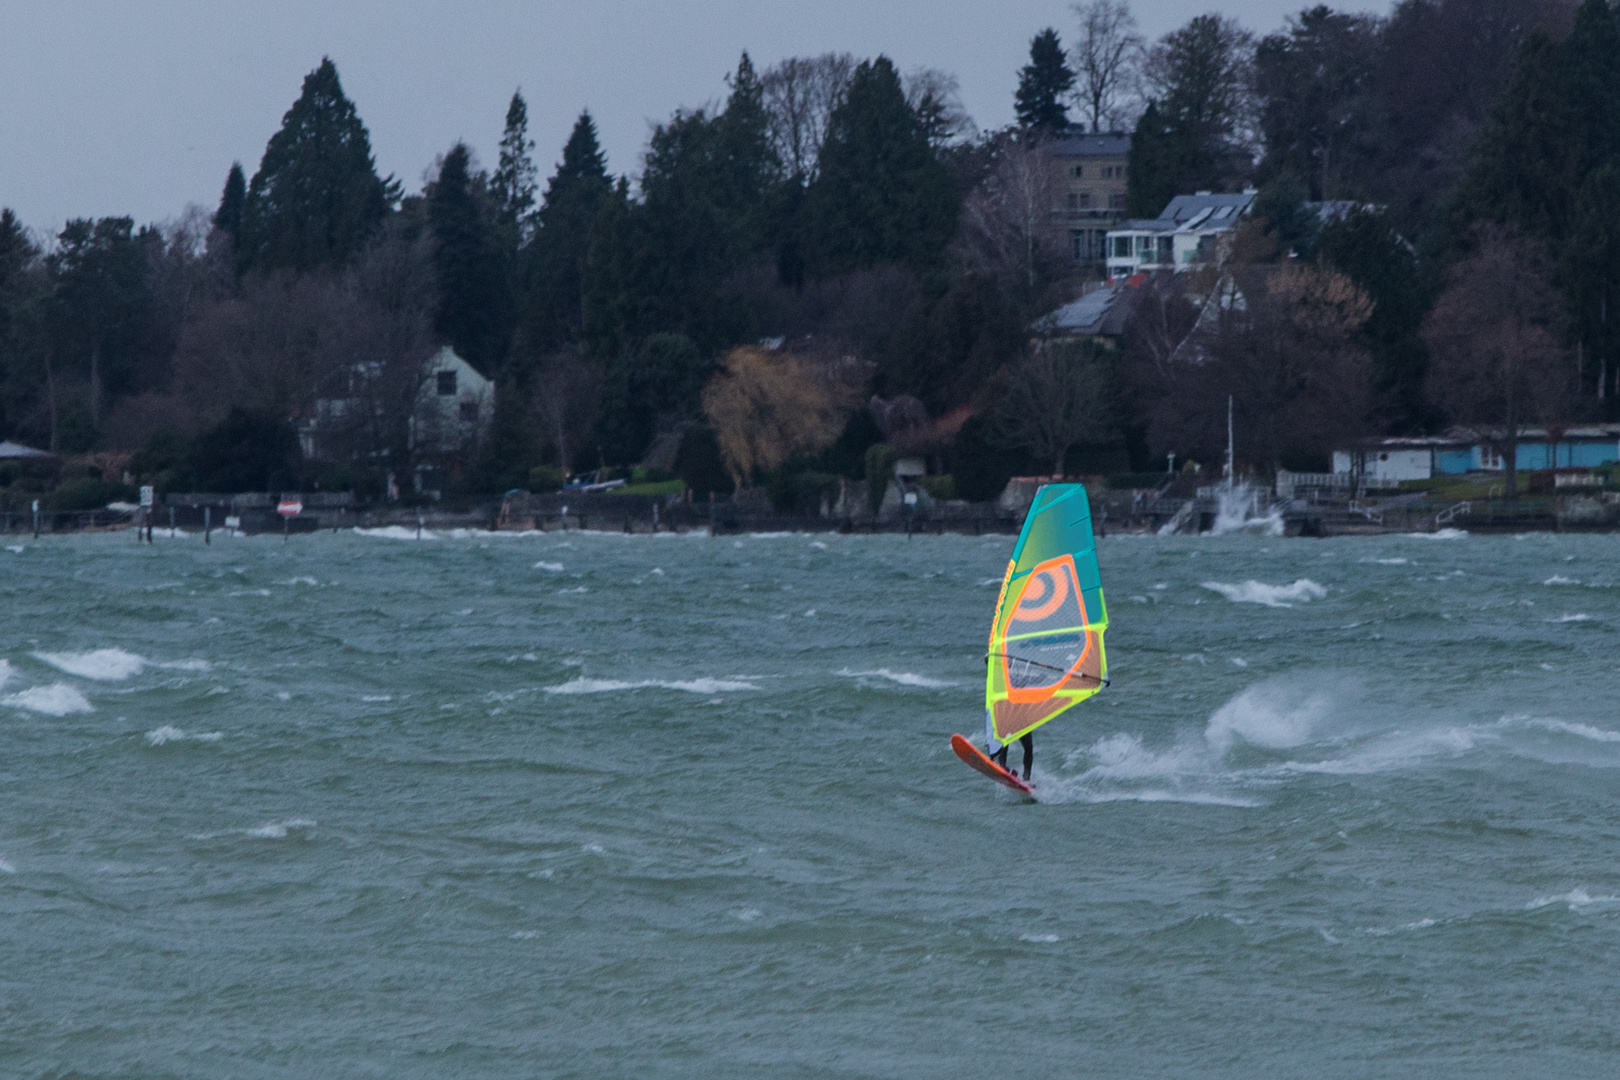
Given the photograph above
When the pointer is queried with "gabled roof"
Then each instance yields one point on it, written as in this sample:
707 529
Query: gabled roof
1214 210
1101 312
1091 144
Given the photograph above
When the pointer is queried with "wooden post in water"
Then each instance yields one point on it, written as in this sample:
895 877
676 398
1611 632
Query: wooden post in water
36 521
208 524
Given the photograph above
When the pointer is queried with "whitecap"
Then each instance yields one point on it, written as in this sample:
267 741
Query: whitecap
1584 731
301 580
1559 579
377 697
277 830
1575 898
554 567
18 548
583 685
168 733
6 867
1038 939
1277 596
5 672
57 699
1438 534
104 665
904 678
396 532
1578 617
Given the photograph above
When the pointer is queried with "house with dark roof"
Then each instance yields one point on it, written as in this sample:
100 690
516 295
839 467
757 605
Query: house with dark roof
1089 168
1100 314
1183 236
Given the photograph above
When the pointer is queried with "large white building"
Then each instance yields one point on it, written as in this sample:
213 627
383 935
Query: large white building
1183 236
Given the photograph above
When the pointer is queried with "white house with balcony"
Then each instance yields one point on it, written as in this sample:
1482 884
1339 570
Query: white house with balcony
1183 236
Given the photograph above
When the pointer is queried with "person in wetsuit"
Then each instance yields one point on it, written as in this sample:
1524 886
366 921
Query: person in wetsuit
1027 741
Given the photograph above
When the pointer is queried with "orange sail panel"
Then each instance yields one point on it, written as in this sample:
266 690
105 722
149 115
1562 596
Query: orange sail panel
1046 641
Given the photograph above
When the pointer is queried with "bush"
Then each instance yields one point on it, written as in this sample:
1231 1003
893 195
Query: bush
650 475
88 493
546 478
940 488
800 492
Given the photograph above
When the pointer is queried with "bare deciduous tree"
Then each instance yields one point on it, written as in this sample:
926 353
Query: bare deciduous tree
1008 222
1105 58
1058 396
936 97
1283 343
567 390
1495 363
801 93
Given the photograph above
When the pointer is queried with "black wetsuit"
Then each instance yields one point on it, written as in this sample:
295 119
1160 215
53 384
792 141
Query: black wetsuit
1027 741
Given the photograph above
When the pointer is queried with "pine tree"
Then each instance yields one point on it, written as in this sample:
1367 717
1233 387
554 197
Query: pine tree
467 256
880 195
1043 84
228 218
316 197
567 214
513 184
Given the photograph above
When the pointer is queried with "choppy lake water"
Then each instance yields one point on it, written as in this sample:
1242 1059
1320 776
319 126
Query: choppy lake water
600 806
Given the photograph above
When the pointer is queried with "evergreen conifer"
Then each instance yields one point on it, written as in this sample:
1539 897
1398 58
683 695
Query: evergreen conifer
228 218
1044 84
468 259
880 194
567 214
513 184
316 197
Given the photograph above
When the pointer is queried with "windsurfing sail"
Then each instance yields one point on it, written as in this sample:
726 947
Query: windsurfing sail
1046 642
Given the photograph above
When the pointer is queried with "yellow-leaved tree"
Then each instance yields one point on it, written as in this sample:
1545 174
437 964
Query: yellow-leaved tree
765 407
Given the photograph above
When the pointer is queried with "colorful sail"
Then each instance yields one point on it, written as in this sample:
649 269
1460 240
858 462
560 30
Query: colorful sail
1046 643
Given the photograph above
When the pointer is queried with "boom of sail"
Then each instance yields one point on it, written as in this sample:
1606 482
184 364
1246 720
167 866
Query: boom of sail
1046 642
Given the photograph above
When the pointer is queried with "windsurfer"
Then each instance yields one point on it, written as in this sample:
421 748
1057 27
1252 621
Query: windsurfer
1027 741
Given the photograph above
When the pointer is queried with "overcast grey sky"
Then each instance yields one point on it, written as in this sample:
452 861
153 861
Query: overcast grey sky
112 107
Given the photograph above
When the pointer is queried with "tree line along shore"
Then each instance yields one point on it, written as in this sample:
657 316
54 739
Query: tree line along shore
830 273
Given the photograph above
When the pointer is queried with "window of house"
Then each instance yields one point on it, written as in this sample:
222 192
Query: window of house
1079 171
1077 244
1074 200
1122 247
1085 199
447 383
469 411
1116 200
1146 247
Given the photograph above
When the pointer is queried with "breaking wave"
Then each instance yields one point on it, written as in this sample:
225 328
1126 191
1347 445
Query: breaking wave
168 734
58 699
104 665
1277 596
904 678
396 532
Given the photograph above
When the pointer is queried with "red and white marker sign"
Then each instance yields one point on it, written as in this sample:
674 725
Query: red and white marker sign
289 508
